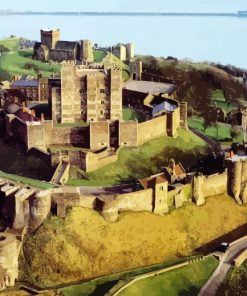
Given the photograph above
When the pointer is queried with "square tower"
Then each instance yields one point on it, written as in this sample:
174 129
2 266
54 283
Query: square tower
50 37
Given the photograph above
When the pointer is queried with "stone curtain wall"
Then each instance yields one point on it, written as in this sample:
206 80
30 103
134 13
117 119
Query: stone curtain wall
151 129
128 133
208 186
135 201
99 135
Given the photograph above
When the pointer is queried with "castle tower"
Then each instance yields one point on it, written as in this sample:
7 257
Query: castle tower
116 93
130 50
87 51
160 195
198 190
136 70
50 37
234 170
183 115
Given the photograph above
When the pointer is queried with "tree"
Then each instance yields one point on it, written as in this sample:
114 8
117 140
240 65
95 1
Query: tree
3 49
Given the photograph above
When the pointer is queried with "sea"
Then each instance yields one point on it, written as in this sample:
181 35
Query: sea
218 39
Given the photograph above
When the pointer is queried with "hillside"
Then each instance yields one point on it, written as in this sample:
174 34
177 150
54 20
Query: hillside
81 246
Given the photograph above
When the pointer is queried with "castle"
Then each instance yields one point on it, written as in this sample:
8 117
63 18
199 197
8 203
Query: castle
51 48
88 93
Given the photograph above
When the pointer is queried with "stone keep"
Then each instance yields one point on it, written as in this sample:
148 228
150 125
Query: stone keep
88 94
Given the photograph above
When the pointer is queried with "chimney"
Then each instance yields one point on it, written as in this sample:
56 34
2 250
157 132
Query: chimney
42 118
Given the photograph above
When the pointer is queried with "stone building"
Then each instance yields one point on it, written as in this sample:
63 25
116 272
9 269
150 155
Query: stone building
88 93
32 89
51 48
124 51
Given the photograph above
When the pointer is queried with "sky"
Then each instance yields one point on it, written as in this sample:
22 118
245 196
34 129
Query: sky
126 5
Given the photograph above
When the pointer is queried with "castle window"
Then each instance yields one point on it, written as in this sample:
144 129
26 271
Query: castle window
102 90
102 102
101 112
161 188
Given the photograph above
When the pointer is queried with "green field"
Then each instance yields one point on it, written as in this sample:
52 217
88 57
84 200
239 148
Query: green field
183 281
137 163
104 284
131 114
218 100
220 132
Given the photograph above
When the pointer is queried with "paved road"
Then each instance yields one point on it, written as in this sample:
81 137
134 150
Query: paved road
209 289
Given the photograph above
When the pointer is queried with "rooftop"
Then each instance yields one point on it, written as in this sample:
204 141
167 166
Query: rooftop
149 87
167 106
25 82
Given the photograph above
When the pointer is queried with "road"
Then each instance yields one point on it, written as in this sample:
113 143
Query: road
214 145
210 288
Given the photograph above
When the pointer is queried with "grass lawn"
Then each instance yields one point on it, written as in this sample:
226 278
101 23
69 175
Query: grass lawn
13 64
103 284
99 55
183 281
26 181
130 114
83 245
223 131
137 163
11 43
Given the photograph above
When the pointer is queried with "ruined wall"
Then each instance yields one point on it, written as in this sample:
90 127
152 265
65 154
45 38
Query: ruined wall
151 129
128 133
134 201
99 135
204 186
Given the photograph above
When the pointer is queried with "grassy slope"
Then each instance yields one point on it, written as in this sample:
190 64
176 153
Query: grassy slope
81 246
11 43
184 281
119 171
14 62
